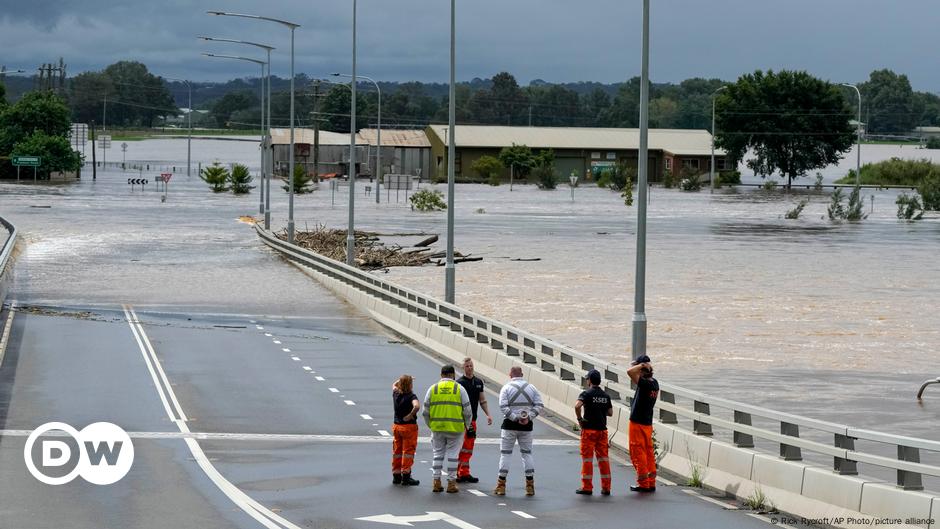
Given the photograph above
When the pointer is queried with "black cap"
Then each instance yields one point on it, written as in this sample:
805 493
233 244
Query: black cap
641 360
594 376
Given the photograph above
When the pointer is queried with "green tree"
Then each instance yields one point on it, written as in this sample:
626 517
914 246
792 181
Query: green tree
3 97
86 96
216 176
240 179
890 102
56 152
487 168
792 121
519 159
139 97
230 103
302 181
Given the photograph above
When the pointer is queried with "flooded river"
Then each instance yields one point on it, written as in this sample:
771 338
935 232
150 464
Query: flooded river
836 321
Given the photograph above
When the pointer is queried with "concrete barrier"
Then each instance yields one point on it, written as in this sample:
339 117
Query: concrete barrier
794 487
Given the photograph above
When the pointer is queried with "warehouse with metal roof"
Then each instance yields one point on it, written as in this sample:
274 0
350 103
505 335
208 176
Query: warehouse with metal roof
583 151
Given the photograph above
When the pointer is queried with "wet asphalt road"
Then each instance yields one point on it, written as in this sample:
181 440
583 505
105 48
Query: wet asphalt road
292 413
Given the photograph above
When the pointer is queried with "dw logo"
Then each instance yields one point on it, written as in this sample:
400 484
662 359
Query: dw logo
102 453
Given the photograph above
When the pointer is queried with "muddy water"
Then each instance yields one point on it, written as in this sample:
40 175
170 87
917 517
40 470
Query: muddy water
839 322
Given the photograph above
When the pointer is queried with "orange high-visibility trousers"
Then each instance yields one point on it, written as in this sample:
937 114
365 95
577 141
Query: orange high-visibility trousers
594 443
404 445
642 454
466 452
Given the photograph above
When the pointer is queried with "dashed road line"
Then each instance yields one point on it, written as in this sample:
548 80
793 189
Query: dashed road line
267 334
295 359
383 433
277 342
319 378
286 350
523 515
334 390
349 403
476 492
365 417
259 327
308 368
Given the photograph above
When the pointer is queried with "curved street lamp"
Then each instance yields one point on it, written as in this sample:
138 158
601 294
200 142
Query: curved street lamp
292 26
189 115
265 206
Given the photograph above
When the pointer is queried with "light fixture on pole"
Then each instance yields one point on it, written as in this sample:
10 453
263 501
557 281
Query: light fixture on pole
449 271
265 193
292 26
639 300
378 156
858 130
711 179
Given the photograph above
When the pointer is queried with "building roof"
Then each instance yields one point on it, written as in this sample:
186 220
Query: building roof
933 130
282 137
675 141
396 138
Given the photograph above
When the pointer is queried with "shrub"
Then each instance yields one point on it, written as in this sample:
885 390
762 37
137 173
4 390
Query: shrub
487 168
769 185
794 213
240 179
691 183
301 181
758 501
603 181
818 186
216 176
729 177
428 200
909 207
933 143
836 210
545 176
855 211
622 176
669 179
627 195
929 191
895 172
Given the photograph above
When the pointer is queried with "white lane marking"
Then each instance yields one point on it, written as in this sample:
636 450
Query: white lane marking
761 518
258 512
286 350
523 515
277 342
252 321
383 433
723 505
267 334
5 335
321 379
501 504
665 481
349 403
308 368
476 492
365 417
259 327
334 390
375 424
295 359
430 516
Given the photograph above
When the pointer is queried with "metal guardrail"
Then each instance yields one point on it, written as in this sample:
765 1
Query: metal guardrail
5 254
701 409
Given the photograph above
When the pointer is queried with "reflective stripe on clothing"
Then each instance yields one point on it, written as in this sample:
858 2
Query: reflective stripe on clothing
642 454
447 407
594 443
404 445
445 446
508 440
466 452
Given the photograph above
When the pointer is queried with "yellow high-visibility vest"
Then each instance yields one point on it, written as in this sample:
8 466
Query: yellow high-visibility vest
446 408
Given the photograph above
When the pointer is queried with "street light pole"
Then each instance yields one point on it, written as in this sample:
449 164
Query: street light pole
267 130
264 176
292 26
378 156
449 271
858 130
711 180
639 311
351 229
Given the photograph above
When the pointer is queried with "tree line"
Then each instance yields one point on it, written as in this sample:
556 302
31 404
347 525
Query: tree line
137 97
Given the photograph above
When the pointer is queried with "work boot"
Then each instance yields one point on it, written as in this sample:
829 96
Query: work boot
584 492
500 489
468 479
396 479
605 492
637 488
407 481
437 487
530 486
452 486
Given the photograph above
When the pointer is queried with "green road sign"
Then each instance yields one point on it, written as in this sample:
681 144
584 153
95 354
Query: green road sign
27 161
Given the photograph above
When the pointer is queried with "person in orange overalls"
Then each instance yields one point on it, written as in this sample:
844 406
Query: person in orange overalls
641 424
404 431
596 406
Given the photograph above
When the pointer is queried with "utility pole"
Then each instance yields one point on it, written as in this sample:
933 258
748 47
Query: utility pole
94 158
316 130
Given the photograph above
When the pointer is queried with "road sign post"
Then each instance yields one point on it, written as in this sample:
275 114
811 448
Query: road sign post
27 161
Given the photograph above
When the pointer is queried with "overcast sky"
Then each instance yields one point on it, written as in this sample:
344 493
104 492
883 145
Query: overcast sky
554 40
